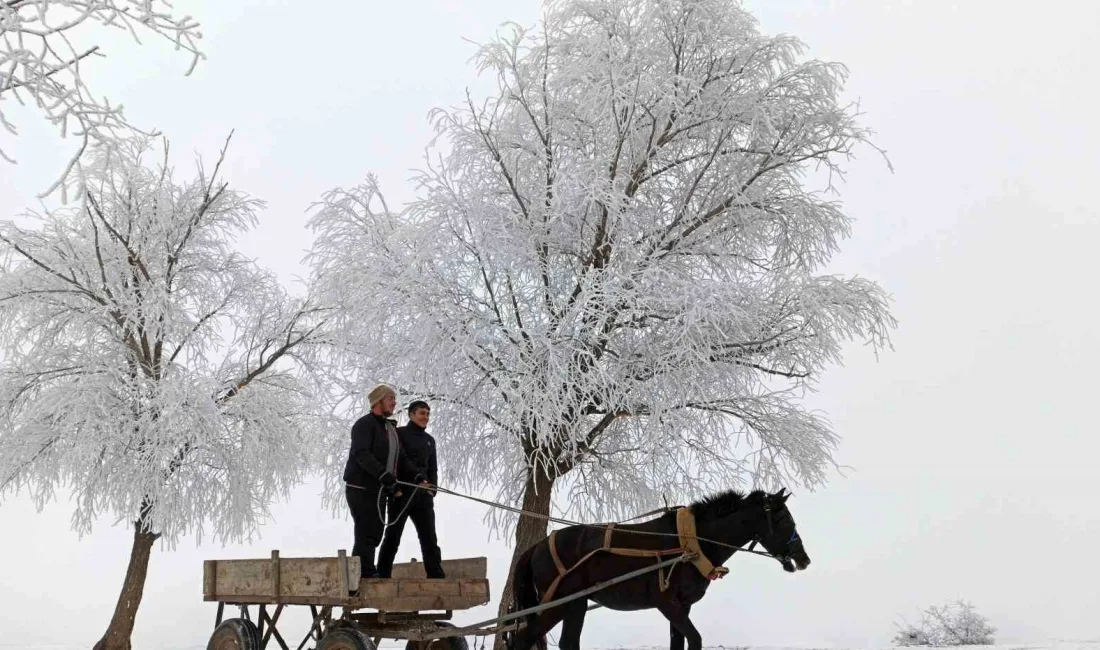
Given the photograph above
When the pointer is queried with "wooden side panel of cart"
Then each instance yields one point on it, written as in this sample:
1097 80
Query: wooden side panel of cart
327 581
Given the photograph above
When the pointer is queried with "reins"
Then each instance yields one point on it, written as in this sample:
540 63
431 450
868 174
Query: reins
378 504
569 522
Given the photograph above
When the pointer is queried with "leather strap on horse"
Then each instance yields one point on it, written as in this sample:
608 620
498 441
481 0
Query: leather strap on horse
689 540
557 558
689 546
605 548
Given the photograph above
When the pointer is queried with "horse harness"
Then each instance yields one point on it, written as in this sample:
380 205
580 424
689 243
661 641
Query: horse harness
689 548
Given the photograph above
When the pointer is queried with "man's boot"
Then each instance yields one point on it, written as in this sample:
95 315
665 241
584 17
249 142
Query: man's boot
433 560
366 564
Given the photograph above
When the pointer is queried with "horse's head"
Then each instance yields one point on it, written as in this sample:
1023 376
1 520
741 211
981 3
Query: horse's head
779 535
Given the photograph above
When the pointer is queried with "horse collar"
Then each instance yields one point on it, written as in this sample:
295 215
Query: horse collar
689 541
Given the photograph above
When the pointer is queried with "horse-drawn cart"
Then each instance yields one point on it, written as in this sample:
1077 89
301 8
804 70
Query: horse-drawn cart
408 606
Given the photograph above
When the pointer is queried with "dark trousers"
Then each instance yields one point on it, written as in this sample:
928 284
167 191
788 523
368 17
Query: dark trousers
363 503
422 512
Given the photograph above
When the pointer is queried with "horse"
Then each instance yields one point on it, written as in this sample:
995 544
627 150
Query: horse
578 557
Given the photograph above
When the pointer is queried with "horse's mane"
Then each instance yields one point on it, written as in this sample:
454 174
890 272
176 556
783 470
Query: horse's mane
724 503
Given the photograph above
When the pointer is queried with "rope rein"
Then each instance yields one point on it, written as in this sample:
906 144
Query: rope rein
382 497
569 522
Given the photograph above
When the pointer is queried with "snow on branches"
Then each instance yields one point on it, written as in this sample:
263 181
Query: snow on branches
40 61
956 623
612 272
147 365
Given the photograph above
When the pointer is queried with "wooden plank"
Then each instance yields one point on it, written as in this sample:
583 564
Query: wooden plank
284 600
429 588
275 572
411 594
470 598
301 577
342 568
381 589
419 603
467 567
209 578
387 595
377 590
352 569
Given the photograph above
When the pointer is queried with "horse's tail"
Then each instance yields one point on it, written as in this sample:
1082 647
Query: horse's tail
524 596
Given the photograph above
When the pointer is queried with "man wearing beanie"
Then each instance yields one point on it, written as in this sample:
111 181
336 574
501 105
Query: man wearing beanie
418 505
374 462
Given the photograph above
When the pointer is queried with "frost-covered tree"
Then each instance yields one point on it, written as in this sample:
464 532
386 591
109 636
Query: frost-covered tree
42 60
953 624
148 367
611 281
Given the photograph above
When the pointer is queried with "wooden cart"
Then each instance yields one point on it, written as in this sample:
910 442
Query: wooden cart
407 606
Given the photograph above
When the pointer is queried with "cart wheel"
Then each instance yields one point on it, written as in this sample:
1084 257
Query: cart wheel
235 634
450 643
346 638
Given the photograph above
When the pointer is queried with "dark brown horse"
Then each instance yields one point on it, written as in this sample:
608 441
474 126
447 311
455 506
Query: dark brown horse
724 523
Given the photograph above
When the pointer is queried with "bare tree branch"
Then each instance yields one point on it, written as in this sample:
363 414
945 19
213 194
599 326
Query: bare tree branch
38 59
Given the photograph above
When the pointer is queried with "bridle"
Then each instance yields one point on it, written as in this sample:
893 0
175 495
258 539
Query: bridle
771 531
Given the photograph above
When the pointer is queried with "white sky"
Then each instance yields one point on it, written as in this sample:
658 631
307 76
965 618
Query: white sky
972 444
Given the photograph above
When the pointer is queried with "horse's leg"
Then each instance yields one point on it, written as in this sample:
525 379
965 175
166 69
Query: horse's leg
677 637
572 624
676 640
677 615
535 636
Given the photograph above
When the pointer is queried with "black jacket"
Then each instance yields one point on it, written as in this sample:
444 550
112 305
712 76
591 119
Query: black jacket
369 450
419 447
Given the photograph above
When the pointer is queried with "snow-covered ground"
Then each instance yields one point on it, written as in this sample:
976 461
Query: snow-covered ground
1057 644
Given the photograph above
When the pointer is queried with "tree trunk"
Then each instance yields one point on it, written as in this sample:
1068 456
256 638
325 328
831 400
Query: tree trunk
121 627
529 530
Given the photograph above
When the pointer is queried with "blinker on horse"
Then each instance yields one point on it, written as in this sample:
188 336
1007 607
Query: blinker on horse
575 558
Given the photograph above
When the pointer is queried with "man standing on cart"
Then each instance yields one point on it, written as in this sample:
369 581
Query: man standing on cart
419 504
375 460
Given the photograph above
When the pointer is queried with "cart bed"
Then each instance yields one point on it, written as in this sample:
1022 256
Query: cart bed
327 581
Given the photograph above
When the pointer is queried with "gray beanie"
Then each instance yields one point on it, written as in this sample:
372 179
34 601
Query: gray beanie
378 392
